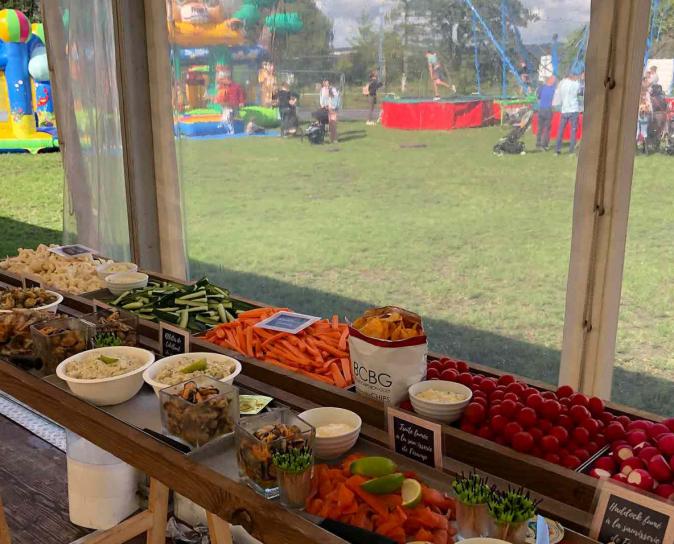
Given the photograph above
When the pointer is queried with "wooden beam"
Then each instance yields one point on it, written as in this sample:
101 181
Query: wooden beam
167 182
5 536
136 132
614 64
121 533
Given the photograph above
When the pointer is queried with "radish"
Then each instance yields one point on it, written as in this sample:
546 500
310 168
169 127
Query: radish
639 424
659 469
620 477
636 436
658 429
666 444
623 453
631 464
669 423
666 491
606 463
641 479
647 453
600 473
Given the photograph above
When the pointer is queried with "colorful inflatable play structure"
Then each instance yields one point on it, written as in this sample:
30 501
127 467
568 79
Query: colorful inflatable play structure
26 106
223 75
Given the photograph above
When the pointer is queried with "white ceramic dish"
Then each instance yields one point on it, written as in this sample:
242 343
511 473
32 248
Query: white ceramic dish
104 270
124 281
47 307
151 372
331 447
108 391
445 412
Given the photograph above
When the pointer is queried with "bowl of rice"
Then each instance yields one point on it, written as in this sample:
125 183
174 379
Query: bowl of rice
106 376
186 366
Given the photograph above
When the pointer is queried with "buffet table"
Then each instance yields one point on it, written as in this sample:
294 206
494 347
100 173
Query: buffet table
210 477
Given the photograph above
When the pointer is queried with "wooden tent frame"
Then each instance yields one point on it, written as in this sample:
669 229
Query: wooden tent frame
617 43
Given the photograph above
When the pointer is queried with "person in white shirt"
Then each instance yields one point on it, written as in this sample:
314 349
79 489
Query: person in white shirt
567 97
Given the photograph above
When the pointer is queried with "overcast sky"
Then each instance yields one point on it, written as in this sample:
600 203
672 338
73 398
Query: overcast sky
560 16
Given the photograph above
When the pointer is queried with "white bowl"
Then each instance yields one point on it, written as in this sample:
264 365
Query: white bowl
445 412
151 373
108 391
47 307
103 270
331 447
125 281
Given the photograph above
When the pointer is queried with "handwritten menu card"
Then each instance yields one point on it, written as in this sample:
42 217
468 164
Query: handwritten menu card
415 438
624 516
173 340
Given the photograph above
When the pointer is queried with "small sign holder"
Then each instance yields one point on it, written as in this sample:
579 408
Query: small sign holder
415 438
30 281
626 516
100 305
70 251
289 322
173 340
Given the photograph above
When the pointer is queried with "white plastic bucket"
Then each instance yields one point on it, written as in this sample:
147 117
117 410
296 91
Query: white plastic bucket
102 490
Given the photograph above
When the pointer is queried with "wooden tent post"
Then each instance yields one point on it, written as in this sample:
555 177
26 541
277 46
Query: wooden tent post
603 183
5 536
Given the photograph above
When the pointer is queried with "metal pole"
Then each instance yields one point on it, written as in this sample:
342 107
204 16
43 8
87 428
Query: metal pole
504 40
476 55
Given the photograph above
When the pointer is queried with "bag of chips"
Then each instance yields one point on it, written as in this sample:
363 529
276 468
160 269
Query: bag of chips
388 350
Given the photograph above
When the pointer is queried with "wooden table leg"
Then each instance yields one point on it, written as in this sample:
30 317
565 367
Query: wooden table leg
5 537
158 506
218 529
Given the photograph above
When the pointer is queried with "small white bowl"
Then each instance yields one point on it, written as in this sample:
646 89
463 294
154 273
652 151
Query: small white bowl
108 391
445 412
151 373
124 281
47 307
103 270
331 447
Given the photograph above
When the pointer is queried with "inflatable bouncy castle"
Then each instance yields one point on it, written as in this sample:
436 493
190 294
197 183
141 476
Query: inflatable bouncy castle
26 106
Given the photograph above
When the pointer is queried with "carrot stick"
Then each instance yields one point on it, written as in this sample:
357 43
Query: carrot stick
273 339
327 347
335 322
315 376
337 375
258 312
346 370
342 339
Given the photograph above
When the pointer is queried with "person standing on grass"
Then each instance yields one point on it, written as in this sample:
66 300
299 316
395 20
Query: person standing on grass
372 87
567 95
333 106
545 94
287 106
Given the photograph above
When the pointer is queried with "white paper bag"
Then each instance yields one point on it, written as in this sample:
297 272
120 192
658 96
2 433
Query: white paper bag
384 369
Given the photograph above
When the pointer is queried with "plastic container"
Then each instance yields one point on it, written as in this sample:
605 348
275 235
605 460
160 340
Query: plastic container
102 490
198 423
254 451
106 325
57 339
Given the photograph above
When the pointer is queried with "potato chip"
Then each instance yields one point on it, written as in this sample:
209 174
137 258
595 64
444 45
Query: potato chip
389 323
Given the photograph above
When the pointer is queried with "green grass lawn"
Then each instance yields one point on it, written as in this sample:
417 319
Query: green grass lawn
432 221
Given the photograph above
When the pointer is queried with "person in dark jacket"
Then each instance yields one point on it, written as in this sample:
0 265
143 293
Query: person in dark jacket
545 94
287 105
372 87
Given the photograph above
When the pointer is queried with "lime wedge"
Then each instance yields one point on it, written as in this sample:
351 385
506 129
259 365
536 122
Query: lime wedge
373 467
199 364
384 484
108 360
411 493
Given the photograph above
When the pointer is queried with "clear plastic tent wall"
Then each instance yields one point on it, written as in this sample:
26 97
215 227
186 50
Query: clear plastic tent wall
95 195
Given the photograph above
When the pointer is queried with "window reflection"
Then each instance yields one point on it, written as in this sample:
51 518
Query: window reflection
339 155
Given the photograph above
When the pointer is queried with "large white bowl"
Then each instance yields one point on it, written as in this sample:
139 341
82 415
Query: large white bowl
444 412
151 372
125 281
103 270
47 307
333 446
108 391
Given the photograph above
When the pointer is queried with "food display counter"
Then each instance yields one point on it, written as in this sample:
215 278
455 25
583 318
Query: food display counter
209 477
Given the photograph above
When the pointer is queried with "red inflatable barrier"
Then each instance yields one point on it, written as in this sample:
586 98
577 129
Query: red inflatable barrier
554 127
440 115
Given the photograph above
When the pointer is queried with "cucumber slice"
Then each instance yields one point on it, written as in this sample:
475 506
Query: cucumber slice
108 360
